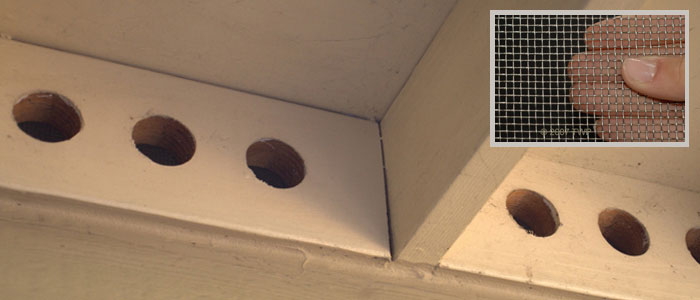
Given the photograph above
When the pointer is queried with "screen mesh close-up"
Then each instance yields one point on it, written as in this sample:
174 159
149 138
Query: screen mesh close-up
558 78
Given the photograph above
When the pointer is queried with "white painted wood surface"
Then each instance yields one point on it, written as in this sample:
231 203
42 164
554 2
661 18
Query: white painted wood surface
340 203
55 248
673 167
81 251
351 57
657 185
577 257
439 168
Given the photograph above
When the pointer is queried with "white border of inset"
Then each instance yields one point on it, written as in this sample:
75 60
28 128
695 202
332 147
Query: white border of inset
492 87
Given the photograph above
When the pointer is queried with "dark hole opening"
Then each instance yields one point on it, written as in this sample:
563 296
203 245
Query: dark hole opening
623 231
533 212
275 163
164 140
47 117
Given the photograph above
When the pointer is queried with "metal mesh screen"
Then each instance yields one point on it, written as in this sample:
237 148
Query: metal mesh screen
557 78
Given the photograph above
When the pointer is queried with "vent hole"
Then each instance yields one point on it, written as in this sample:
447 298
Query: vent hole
47 117
164 140
623 231
533 212
275 163
692 239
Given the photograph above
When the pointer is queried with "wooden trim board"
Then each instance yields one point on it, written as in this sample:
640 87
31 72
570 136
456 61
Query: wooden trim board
57 248
577 257
434 134
439 168
132 236
340 202
659 186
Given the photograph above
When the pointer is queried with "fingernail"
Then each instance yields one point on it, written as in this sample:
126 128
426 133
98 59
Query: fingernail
640 69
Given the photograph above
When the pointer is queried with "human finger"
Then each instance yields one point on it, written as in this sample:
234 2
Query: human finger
636 31
656 76
606 65
615 99
641 130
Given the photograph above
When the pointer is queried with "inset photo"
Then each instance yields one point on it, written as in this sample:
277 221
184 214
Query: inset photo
589 78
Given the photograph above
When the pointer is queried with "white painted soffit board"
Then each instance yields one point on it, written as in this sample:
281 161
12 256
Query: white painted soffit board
351 57
101 165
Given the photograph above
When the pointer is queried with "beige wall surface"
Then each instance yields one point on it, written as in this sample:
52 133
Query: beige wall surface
351 57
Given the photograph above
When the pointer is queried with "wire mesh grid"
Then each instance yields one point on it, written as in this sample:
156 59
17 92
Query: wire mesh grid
557 78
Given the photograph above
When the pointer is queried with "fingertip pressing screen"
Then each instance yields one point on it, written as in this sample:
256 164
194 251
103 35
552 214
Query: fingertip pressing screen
556 78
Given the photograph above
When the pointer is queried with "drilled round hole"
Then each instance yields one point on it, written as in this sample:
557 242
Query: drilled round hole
533 212
692 239
164 140
47 117
623 231
275 163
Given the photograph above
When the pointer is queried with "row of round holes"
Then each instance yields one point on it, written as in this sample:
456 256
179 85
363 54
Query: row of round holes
534 213
51 117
